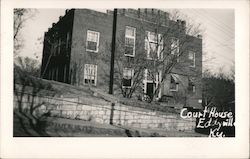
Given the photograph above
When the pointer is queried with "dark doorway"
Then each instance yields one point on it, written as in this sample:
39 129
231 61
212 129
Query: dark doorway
150 90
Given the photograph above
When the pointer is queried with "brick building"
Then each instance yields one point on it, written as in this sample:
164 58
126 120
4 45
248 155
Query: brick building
77 51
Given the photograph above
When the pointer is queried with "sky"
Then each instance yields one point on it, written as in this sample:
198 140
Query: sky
217 27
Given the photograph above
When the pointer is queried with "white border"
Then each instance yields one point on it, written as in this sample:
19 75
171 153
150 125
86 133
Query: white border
237 147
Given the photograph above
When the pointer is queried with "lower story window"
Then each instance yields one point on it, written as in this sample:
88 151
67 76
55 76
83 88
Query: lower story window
90 74
173 84
191 86
127 77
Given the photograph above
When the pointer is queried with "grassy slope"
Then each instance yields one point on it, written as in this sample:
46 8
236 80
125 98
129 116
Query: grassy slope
93 95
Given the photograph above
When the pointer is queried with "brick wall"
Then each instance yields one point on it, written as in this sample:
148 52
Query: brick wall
86 19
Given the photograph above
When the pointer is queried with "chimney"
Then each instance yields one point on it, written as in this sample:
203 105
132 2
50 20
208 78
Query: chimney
178 21
152 11
183 23
139 12
199 36
123 11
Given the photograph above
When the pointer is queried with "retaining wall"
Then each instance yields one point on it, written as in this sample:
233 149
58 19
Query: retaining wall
118 114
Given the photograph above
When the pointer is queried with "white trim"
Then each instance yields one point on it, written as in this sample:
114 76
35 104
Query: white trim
159 44
131 37
177 47
176 83
194 63
95 75
132 75
193 89
157 79
175 90
97 45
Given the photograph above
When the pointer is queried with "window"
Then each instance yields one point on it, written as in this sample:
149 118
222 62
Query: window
193 88
173 84
175 48
153 45
127 77
53 73
54 48
191 85
59 46
92 41
130 33
64 73
67 40
150 75
90 74
191 58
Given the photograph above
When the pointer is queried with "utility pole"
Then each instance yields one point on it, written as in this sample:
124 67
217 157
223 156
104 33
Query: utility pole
113 53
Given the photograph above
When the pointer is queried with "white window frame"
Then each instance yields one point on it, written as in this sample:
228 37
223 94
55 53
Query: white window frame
193 89
177 47
97 43
158 78
177 85
192 59
191 85
130 37
86 75
132 75
148 41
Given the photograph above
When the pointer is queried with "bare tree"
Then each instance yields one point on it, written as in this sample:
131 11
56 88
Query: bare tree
121 62
169 46
21 15
28 66
27 86
164 43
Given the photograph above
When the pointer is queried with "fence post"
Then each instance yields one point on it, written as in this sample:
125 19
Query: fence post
112 113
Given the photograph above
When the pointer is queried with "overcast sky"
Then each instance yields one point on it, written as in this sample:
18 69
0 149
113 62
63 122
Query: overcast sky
218 36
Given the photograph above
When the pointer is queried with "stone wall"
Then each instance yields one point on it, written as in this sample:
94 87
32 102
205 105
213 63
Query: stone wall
115 113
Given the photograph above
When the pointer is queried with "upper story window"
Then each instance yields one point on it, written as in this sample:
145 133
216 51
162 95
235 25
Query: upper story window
150 75
154 45
191 58
90 74
175 48
128 74
67 40
59 46
130 34
92 41
174 85
54 48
